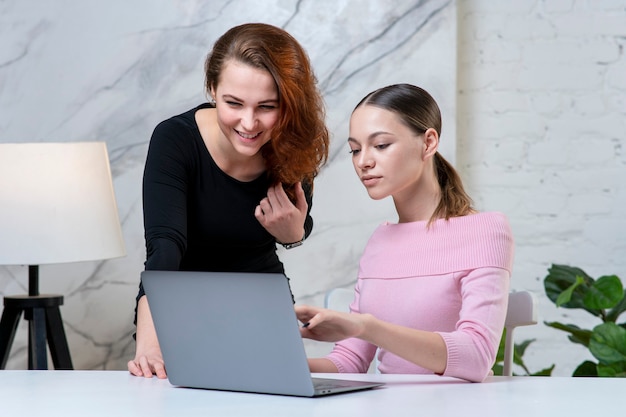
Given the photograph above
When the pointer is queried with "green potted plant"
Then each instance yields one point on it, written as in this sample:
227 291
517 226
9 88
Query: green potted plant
605 298
518 359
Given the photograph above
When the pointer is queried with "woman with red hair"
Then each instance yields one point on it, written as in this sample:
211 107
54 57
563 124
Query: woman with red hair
229 179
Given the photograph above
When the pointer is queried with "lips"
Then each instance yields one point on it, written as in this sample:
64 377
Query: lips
369 180
248 136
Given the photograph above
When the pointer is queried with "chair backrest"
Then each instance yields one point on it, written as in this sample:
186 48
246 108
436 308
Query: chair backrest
339 299
522 311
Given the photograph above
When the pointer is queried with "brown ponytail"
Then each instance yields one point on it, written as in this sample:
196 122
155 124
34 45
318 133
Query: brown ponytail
454 200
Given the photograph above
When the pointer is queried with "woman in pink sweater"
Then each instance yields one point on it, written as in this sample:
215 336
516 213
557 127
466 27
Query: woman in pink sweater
432 289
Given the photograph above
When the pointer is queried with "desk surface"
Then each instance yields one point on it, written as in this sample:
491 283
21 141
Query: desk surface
117 393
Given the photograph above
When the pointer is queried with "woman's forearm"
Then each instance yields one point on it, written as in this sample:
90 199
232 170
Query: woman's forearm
322 365
146 333
425 349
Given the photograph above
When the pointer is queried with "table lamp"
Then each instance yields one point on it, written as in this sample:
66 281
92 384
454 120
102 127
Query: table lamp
57 205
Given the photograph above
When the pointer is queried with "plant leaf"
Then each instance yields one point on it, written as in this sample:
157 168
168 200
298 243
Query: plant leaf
544 372
560 278
497 369
615 312
605 292
616 370
566 295
587 368
608 343
578 335
520 349
518 353
500 354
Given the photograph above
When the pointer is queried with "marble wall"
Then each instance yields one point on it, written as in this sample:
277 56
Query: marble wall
110 71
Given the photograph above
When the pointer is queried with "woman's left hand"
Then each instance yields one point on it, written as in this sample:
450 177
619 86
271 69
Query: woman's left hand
280 217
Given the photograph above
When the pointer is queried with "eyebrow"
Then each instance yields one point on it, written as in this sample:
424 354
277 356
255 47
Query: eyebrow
272 100
371 136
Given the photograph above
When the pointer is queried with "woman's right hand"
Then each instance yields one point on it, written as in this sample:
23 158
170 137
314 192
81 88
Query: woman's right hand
328 325
148 363
280 217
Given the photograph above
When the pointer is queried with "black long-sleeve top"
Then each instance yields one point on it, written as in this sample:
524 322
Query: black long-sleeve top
198 218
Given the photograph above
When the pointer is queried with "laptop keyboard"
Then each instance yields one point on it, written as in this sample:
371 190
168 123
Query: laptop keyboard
329 383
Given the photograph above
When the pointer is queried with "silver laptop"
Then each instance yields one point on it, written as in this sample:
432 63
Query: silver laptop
235 332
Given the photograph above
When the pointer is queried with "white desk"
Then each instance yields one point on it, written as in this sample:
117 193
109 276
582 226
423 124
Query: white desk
117 393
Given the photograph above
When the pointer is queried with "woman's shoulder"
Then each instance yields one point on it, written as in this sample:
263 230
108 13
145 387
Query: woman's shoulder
488 237
465 242
179 131
185 119
485 219
492 225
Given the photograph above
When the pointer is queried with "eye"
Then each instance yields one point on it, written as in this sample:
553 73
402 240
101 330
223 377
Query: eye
233 103
382 146
354 151
267 107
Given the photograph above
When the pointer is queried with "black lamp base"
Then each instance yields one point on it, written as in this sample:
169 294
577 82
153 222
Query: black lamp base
44 315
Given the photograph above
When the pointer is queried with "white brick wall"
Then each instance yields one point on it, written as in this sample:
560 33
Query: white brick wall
542 137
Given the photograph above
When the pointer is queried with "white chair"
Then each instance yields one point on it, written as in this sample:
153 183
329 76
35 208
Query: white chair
522 311
339 299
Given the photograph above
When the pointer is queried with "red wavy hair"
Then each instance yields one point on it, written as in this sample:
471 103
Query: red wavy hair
300 141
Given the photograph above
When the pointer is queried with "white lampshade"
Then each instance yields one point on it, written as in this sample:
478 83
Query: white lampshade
57 204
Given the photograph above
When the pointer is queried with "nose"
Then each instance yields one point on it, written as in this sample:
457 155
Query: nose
248 120
365 160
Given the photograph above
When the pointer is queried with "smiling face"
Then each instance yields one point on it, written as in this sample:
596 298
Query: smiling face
246 99
389 158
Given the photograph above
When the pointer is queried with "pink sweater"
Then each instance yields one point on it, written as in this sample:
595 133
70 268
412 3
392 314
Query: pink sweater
452 278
